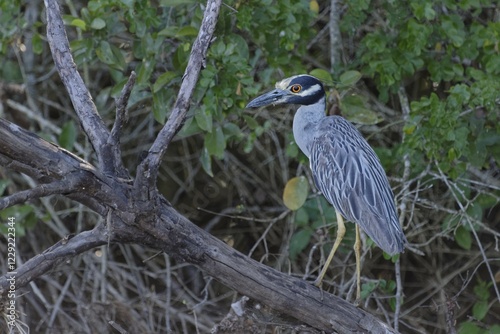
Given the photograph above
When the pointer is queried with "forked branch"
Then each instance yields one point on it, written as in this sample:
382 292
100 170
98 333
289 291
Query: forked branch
85 109
147 171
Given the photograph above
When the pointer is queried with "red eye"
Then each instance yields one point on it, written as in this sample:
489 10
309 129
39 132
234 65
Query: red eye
296 88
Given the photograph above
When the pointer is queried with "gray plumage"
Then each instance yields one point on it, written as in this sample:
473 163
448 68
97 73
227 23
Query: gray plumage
349 174
345 168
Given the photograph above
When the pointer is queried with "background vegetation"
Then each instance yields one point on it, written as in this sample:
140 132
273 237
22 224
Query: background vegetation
420 78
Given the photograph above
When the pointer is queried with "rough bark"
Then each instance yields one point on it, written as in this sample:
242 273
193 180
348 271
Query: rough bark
134 211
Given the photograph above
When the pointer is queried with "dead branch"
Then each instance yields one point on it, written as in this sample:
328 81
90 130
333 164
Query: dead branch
43 190
85 109
120 118
170 232
148 170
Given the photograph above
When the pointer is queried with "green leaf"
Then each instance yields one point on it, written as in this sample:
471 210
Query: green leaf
480 309
391 286
145 70
111 55
469 328
10 71
168 31
349 78
24 214
128 3
79 23
367 289
295 193
173 3
301 217
481 290
322 75
299 241
94 6
120 63
163 80
495 329
463 238
251 122
98 23
215 143
450 222
475 211
292 150
206 162
241 46
67 137
3 186
353 108
186 31
486 201
37 43
160 103
203 118
232 130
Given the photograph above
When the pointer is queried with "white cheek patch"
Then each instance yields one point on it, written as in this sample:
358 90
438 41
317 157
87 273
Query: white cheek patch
310 91
285 85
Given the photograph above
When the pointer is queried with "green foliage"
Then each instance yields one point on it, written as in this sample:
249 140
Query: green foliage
474 213
12 21
463 237
349 79
103 25
299 241
278 28
392 258
225 84
68 134
312 215
470 327
323 75
3 185
444 132
155 41
10 30
391 58
480 308
416 37
479 311
25 218
354 108
385 287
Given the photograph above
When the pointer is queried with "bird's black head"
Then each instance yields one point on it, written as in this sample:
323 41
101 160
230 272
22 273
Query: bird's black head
300 89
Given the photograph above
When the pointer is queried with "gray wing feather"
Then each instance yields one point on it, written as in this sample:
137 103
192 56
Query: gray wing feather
349 174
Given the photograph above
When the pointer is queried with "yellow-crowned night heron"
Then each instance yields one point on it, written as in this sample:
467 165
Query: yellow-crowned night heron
345 168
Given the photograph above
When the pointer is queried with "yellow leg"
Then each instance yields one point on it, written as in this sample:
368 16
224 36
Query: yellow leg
338 239
357 252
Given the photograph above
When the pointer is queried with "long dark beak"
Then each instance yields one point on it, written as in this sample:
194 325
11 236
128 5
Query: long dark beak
274 97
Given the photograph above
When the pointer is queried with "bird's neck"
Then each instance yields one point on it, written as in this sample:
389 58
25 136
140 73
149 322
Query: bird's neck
304 124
